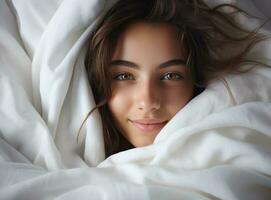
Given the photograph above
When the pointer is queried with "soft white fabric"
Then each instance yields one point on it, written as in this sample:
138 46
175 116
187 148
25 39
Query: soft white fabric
216 147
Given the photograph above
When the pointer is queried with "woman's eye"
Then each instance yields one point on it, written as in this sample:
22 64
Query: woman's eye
172 76
123 77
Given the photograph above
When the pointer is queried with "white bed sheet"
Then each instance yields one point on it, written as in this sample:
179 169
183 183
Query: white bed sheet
221 152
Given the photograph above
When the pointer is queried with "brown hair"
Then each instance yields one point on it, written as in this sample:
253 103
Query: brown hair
207 33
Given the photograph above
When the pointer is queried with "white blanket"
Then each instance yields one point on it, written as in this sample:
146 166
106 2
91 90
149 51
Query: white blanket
217 147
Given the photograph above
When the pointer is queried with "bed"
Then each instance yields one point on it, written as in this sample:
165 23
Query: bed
223 152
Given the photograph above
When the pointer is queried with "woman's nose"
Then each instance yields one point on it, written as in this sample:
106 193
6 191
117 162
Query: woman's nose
148 97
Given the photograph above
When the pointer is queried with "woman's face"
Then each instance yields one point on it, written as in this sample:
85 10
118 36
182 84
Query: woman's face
149 80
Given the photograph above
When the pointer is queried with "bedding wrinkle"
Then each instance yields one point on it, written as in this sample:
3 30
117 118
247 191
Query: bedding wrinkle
233 101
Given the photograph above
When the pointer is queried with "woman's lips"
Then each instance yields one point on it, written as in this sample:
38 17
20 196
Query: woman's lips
148 125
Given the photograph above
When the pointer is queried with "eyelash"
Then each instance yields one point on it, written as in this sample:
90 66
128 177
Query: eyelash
121 74
178 75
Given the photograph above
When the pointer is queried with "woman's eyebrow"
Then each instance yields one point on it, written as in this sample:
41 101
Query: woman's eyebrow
134 65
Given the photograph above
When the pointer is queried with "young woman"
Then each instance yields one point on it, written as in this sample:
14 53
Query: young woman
147 59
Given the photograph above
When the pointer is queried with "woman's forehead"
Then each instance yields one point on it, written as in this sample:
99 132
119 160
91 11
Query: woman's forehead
143 40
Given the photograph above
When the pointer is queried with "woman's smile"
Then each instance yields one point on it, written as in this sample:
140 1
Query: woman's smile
149 124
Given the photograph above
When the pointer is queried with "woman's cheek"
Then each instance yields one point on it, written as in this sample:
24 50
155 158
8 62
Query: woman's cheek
177 98
120 99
